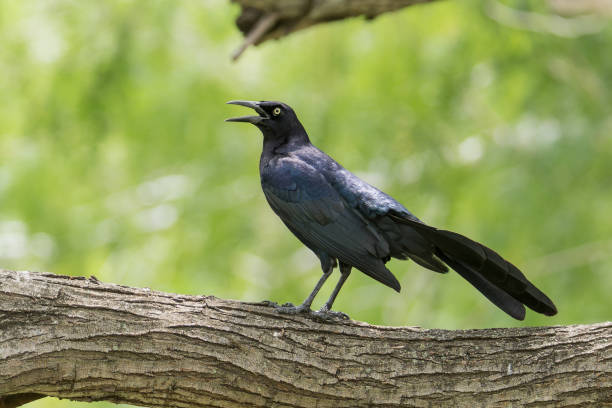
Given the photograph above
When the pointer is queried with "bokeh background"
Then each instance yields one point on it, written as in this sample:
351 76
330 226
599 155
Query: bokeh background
115 160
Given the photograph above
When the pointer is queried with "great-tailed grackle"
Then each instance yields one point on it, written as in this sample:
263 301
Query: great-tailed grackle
346 221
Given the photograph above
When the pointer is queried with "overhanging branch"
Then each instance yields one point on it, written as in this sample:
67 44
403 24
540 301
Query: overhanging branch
85 340
262 20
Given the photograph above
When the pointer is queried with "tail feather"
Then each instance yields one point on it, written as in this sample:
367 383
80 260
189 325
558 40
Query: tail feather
500 281
537 301
496 295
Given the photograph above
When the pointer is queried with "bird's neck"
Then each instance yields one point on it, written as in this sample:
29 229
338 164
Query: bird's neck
279 144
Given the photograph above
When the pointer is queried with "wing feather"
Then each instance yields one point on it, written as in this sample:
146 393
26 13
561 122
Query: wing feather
320 217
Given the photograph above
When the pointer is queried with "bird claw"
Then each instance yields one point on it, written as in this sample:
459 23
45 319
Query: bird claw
322 315
329 315
289 308
267 303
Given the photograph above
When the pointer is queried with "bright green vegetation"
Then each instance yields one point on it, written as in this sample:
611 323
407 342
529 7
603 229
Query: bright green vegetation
115 160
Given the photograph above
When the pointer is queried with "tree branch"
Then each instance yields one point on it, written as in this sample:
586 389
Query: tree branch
293 15
84 340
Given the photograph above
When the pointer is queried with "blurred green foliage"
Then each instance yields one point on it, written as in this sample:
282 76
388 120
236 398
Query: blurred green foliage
115 160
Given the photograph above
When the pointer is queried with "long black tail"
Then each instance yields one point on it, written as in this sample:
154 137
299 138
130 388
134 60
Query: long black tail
500 281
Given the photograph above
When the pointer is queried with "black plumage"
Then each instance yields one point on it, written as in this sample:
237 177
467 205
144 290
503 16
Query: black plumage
347 222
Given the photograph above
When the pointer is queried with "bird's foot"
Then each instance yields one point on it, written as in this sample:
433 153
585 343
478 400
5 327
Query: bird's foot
267 303
326 315
323 314
290 308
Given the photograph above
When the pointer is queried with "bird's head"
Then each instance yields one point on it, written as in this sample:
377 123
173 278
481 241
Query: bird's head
274 119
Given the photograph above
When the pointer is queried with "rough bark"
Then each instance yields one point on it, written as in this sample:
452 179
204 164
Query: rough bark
81 339
261 20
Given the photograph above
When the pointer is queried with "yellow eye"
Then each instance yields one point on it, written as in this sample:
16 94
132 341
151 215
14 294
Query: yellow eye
276 111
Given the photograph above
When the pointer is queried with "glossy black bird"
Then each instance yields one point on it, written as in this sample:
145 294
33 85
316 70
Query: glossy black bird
347 222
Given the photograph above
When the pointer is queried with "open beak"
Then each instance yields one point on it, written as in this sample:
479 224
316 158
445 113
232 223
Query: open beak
250 119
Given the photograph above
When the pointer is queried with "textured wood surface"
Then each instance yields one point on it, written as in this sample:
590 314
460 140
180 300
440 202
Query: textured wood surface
288 16
81 339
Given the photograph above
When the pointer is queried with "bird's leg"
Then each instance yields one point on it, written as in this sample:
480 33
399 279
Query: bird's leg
325 311
305 306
